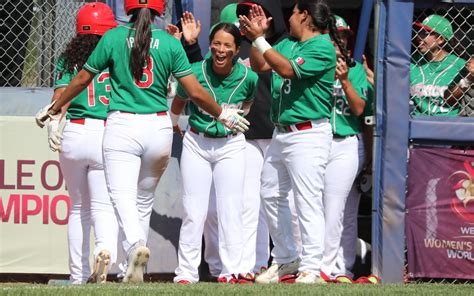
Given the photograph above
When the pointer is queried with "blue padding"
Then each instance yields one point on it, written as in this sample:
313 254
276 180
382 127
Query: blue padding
392 109
442 129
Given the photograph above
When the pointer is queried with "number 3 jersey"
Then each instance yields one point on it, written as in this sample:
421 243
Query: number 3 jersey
343 121
308 95
147 95
90 103
232 90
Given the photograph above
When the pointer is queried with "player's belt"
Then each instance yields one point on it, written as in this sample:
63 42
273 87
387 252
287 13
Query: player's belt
193 130
82 121
342 137
282 128
162 113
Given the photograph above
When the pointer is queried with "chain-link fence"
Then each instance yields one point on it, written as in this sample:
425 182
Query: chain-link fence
34 33
441 76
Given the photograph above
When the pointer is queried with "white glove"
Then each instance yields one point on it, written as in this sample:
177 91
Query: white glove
232 120
46 113
55 135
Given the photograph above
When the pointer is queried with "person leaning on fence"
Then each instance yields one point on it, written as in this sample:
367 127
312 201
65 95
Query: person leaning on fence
462 90
436 69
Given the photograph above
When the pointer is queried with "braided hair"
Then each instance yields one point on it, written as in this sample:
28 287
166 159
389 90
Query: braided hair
324 20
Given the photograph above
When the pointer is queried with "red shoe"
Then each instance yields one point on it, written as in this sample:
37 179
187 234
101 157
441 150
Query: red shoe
288 279
371 279
225 280
344 279
184 282
246 279
326 278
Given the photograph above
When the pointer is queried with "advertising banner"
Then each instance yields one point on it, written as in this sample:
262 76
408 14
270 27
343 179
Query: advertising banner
440 213
34 205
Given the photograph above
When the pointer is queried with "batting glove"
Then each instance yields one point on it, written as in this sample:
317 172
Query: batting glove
46 113
232 119
55 135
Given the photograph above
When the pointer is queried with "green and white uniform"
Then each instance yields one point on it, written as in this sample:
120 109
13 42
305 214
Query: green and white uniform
82 166
214 156
93 102
149 94
138 136
343 165
299 150
429 80
232 91
307 96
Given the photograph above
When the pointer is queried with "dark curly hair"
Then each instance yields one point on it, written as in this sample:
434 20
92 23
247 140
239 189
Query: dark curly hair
78 51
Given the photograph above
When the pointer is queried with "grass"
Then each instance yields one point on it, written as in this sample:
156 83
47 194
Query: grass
223 289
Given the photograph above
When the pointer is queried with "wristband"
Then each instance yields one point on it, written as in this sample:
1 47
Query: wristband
465 83
262 45
174 118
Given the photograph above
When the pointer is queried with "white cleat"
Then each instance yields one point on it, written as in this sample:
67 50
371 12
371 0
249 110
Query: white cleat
273 274
101 268
137 260
307 277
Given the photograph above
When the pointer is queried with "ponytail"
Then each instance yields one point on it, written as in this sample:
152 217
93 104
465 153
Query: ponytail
324 20
142 19
333 32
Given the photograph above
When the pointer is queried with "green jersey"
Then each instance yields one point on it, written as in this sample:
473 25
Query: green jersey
93 102
343 121
232 90
308 95
428 82
148 95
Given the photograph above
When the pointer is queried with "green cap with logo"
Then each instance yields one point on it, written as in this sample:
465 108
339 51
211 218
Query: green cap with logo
229 14
342 25
438 24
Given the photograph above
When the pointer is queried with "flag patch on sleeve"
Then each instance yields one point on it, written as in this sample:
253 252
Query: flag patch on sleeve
299 60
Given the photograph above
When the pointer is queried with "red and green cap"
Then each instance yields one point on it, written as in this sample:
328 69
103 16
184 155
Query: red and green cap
438 24
342 25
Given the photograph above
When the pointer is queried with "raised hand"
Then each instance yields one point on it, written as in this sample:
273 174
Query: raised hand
174 31
342 70
257 16
191 27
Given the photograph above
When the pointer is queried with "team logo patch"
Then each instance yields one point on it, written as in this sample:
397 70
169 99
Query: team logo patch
300 60
86 28
143 1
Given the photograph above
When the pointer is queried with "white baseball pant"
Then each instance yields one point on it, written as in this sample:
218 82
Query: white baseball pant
297 160
341 172
256 239
136 150
347 252
204 161
82 167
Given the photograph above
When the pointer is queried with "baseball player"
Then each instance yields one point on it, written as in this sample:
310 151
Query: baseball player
213 155
137 138
350 97
347 251
436 70
304 67
81 150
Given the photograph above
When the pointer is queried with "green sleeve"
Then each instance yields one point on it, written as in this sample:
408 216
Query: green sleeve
310 60
181 66
62 79
99 58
